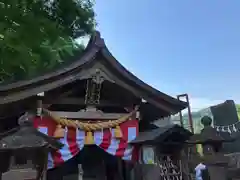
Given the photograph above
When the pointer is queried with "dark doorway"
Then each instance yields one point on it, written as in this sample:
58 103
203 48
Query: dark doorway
96 165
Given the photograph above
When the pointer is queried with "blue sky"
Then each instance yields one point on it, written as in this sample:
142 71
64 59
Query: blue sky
177 46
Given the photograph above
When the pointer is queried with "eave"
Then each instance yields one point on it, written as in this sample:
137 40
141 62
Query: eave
23 89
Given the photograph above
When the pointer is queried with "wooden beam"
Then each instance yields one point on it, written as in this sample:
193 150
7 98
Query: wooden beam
16 96
81 101
90 115
67 93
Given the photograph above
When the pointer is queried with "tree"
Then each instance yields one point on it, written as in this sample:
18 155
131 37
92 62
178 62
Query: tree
38 35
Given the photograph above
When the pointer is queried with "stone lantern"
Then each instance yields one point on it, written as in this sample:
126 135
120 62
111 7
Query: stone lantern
24 153
211 142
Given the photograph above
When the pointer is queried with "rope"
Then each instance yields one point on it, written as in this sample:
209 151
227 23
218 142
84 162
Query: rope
89 126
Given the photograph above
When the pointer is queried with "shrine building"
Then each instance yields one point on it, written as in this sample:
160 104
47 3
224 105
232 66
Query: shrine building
94 106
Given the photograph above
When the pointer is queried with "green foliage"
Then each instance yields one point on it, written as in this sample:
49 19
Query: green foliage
238 110
38 35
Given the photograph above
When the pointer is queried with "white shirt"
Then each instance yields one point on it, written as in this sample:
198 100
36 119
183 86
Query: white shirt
198 171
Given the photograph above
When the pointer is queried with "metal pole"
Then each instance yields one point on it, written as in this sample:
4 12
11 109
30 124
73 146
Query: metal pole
189 112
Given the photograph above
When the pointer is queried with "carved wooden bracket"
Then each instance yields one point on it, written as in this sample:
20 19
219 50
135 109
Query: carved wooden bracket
96 74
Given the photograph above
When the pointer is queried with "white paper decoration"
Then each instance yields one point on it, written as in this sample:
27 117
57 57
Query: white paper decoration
234 128
230 128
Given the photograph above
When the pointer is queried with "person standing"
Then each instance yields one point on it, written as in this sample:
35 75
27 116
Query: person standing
201 172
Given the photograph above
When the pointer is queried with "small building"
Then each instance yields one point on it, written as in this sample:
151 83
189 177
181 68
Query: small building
94 106
23 157
160 153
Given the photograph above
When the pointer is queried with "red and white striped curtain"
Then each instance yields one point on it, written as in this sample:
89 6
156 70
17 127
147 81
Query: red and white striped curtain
73 140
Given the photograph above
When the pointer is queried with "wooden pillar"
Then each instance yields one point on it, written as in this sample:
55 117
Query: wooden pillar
128 171
120 169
